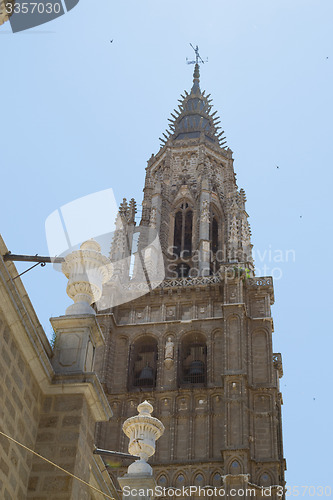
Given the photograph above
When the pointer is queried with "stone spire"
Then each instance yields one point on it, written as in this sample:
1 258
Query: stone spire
193 118
196 80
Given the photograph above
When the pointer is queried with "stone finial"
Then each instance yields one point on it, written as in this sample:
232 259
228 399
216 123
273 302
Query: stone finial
143 430
87 270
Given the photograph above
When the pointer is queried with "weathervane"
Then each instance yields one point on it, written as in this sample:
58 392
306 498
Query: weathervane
198 58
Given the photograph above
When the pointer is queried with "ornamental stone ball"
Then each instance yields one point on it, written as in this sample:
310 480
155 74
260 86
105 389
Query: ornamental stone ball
142 430
87 270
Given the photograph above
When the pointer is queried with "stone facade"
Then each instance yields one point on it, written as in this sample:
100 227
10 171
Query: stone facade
217 393
44 406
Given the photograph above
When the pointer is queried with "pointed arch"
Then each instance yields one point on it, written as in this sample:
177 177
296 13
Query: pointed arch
235 466
216 478
183 229
180 479
198 479
162 480
265 478
216 238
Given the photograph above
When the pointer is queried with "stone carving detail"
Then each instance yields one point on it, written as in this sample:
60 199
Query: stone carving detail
153 216
246 235
86 269
266 281
233 238
205 217
277 362
169 354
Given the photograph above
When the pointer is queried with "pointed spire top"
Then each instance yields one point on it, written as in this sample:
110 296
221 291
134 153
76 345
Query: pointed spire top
194 119
196 73
196 79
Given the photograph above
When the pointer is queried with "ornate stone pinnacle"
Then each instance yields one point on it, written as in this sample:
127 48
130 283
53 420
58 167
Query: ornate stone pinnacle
86 269
143 430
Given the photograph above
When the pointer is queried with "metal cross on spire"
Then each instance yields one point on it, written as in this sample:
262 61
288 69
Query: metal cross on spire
198 58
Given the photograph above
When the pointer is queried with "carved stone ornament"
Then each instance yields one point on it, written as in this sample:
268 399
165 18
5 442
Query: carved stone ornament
169 354
143 430
86 269
205 212
153 217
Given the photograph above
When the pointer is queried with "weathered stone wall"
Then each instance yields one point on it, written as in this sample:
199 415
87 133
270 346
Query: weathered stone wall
20 403
65 436
50 410
230 424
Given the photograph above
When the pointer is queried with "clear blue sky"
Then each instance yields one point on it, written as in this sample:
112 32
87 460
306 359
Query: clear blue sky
80 115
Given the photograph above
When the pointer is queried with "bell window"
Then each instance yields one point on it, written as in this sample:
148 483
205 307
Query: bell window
215 240
143 365
193 360
182 239
215 235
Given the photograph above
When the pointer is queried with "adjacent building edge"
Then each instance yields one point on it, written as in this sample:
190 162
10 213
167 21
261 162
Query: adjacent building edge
48 403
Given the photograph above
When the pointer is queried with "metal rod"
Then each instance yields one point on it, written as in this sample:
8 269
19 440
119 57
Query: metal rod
27 270
115 454
33 258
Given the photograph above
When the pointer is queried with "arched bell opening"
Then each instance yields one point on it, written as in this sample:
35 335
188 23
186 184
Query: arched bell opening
193 360
143 363
183 226
215 236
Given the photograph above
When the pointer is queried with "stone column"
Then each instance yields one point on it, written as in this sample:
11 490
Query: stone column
78 333
143 430
75 399
204 241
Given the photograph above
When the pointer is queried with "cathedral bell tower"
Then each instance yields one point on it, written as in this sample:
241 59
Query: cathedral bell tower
191 195
198 346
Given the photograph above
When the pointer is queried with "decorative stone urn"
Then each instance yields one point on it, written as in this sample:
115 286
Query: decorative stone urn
87 270
142 430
